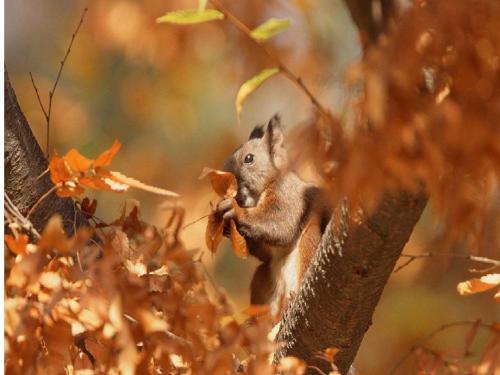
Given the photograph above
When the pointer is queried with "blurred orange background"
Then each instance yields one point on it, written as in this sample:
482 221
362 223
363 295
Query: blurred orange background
167 93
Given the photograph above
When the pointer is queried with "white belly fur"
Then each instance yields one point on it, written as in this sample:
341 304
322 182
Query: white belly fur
286 271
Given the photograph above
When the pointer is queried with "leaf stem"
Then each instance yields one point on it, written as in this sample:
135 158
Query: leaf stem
281 66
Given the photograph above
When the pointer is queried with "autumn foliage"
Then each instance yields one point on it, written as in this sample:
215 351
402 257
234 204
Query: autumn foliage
125 296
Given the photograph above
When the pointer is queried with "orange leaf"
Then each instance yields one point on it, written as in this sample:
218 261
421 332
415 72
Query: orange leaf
58 170
77 162
70 189
330 354
107 156
256 310
472 286
223 183
17 245
237 241
97 183
213 233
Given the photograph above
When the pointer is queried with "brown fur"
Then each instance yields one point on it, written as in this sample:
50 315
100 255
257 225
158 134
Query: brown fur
276 212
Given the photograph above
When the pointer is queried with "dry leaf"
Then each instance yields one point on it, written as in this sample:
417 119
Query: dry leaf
17 245
122 179
292 366
472 286
53 236
214 231
330 353
238 242
256 310
77 162
59 171
107 156
223 183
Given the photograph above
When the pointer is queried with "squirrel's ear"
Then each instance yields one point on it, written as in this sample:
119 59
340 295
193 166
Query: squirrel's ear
257 132
275 138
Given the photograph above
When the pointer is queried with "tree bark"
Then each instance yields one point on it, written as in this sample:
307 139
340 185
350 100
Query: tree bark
341 289
356 256
24 163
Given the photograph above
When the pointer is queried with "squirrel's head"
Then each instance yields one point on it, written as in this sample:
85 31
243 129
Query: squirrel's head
258 162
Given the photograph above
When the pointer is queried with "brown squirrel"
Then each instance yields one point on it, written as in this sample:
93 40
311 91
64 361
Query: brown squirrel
281 217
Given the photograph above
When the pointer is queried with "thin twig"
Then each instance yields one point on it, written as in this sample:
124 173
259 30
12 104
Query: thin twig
430 335
47 112
38 97
317 369
51 190
195 221
281 66
14 215
492 262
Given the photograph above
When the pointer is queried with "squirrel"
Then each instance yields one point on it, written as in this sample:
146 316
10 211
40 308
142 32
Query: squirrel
281 217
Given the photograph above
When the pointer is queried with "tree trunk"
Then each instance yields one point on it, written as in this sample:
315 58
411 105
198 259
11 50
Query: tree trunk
24 163
356 256
341 289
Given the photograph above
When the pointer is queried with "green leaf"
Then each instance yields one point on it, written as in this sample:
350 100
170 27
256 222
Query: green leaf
202 4
190 16
270 28
251 85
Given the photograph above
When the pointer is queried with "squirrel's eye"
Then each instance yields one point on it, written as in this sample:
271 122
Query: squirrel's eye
248 158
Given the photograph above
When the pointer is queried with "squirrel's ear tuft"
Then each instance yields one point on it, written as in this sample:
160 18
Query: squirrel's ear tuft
257 132
276 142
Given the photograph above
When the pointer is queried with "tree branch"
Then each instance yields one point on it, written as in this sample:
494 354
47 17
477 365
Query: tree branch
25 164
47 112
356 256
341 289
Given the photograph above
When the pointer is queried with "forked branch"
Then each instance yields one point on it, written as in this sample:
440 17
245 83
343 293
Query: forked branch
47 112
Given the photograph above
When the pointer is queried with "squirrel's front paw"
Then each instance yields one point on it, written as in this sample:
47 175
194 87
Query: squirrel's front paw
225 209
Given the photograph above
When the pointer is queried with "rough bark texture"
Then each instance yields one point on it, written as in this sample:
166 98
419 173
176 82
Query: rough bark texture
355 258
24 162
341 289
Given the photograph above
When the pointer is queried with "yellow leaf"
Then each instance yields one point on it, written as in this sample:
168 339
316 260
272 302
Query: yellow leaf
478 285
251 85
270 28
124 180
190 16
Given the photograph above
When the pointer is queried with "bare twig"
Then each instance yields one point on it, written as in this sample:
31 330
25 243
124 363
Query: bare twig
40 200
14 215
492 262
195 221
430 335
47 112
325 113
